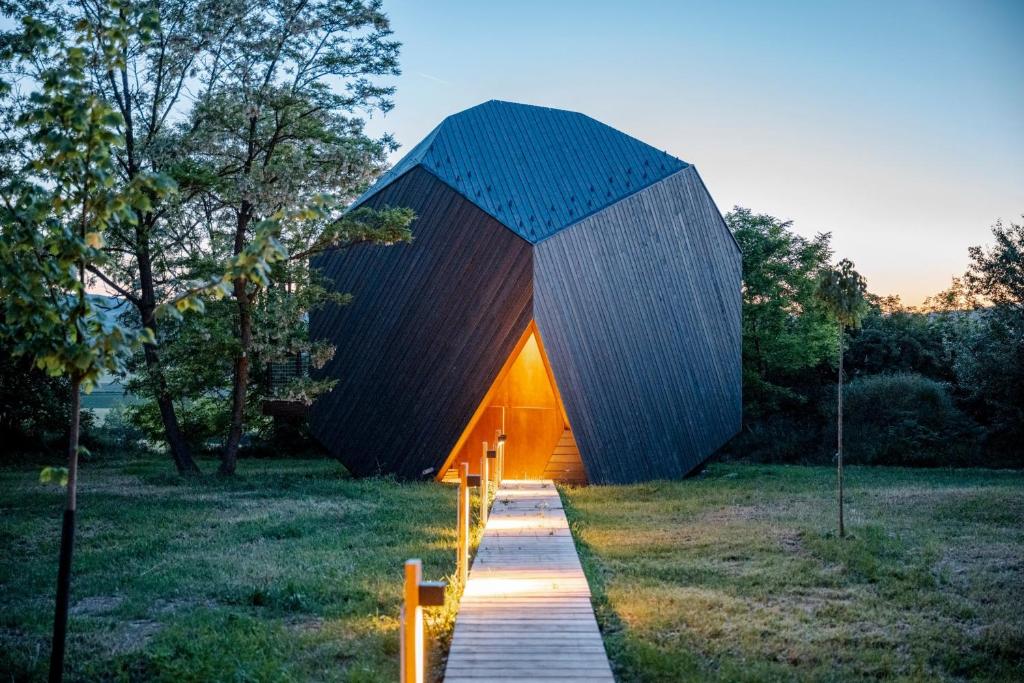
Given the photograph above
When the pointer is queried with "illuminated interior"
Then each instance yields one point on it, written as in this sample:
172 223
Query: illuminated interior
523 403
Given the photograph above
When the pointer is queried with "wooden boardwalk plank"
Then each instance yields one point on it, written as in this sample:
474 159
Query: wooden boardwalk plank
525 614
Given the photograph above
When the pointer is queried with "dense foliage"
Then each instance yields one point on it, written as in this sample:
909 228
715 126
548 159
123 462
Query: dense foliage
255 111
33 406
940 385
894 339
905 419
788 336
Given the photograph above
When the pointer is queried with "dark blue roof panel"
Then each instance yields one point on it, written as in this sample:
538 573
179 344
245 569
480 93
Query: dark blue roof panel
535 169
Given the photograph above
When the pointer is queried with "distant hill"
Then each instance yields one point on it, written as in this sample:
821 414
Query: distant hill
109 307
110 391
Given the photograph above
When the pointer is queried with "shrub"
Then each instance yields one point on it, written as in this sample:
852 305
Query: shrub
34 408
282 438
791 437
904 419
202 421
115 432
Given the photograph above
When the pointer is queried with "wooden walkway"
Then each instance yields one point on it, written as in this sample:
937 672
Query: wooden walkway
525 614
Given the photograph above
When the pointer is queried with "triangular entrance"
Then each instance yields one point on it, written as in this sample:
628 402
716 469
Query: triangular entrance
524 404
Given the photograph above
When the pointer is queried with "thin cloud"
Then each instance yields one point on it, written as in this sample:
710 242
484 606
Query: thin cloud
433 78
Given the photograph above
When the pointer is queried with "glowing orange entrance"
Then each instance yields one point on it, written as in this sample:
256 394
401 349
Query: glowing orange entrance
523 402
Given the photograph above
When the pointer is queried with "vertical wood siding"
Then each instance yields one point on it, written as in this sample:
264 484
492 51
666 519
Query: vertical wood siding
427 331
638 307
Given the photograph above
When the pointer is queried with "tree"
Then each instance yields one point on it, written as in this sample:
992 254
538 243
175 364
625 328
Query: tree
957 298
894 338
997 273
787 333
56 212
147 87
281 129
980 319
33 405
842 290
987 347
251 109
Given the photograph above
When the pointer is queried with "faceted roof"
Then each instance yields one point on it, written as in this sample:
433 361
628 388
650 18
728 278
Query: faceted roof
537 170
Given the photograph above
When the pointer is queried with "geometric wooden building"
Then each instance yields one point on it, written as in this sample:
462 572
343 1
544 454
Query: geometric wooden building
567 284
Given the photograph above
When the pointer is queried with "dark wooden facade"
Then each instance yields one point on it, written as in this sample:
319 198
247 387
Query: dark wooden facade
639 310
631 278
429 327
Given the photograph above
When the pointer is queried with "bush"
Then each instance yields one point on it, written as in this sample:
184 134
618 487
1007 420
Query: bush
202 421
34 413
115 432
790 437
986 349
283 438
904 419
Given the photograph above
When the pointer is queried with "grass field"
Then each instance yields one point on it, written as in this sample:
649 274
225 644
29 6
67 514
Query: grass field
738 576
292 571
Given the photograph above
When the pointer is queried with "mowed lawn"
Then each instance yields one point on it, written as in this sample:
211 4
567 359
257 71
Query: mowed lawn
738 575
291 571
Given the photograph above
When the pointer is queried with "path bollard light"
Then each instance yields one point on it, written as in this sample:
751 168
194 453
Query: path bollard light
483 486
417 594
499 473
501 457
474 481
462 526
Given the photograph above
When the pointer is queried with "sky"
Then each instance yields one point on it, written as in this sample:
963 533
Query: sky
896 126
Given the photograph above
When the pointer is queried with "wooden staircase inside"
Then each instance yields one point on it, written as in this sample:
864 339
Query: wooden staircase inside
523 403
565 465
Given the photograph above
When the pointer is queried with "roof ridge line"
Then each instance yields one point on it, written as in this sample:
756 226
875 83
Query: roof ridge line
621 199
735 241
427 169
540 168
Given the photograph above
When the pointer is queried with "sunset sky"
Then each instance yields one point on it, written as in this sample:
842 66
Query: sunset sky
897 126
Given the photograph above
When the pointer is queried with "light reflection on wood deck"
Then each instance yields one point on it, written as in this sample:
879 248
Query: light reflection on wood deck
525 614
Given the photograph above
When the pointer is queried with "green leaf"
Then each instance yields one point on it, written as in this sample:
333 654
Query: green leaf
54 475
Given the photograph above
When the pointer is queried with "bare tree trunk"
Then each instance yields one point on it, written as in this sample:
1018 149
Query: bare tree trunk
180 452
240 383
839 430
146 301
67 540
229 458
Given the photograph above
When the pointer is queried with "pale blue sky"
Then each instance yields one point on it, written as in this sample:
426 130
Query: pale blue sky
898 126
